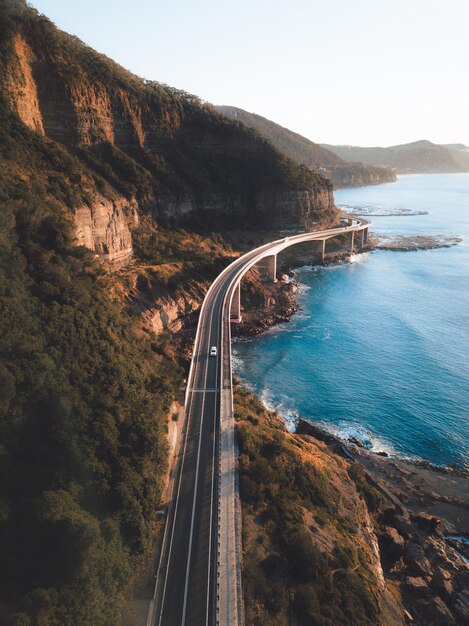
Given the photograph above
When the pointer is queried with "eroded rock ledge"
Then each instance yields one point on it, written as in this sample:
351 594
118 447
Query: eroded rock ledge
420 506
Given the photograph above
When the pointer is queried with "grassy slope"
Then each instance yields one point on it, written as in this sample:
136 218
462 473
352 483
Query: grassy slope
308 547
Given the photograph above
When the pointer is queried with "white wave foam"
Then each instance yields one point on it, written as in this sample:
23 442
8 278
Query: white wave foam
359 257
347 430
380 211
236 361
303 288
343 430
289 415
326 334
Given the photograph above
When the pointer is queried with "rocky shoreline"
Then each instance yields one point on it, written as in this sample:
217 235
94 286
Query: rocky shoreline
416 242
422 528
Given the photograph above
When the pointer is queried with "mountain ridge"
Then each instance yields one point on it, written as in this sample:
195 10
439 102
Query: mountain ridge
417 157
312 155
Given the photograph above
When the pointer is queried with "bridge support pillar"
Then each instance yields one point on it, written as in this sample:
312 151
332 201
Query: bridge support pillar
362 240
268 268
365 236
319 249
352 241
235 314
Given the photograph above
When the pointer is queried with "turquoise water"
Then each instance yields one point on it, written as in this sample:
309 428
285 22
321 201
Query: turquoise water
380 349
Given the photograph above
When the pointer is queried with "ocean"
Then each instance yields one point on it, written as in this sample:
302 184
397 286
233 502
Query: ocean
380 347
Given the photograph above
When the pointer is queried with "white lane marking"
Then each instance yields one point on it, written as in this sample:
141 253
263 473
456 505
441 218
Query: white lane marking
175 514
194 377
220 331
194 501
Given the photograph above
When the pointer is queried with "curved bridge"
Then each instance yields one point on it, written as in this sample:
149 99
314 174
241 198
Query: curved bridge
199 575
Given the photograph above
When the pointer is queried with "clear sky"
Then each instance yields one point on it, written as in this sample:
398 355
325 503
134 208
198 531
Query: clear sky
361 72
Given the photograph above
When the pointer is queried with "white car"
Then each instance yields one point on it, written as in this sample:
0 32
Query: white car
213 351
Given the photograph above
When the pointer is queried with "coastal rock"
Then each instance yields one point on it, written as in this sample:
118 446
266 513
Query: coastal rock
356 442
434 612
391 544
462 577
416 561
442 584
417 586
461 607
416 242
429 523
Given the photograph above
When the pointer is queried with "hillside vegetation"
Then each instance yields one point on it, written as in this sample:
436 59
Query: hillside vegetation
310 556
313 155
419 157
460 154
82 428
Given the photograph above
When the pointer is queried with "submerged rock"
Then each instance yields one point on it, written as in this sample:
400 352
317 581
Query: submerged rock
416 242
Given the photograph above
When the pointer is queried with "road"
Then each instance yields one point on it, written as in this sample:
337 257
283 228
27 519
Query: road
198 580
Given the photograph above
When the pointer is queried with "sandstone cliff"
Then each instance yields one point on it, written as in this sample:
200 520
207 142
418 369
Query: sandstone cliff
139 146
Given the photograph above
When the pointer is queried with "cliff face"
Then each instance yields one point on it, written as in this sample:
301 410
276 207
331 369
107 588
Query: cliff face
170 313
104 225
271 209
360 174
21 88
142 146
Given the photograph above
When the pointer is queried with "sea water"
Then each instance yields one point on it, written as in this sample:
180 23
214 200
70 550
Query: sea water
380 347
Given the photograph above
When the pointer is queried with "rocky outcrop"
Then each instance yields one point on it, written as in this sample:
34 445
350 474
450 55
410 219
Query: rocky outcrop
418 561
168 313
21 88
105 226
